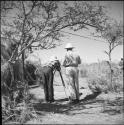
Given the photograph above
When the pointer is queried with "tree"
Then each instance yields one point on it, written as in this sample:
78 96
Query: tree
42 21
113 34
27 22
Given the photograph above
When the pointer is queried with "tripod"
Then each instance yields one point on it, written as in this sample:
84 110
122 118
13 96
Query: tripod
62 82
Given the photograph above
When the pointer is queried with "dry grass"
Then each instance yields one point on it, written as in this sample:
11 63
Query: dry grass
98 80
98 76
18 109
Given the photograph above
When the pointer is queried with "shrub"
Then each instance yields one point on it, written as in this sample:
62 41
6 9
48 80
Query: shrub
83 73
117 80
96 83
98 77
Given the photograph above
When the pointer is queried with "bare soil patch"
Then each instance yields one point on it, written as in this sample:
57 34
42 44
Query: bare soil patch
103 109
92 109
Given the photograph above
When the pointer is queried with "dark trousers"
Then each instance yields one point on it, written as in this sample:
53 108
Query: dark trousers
47 79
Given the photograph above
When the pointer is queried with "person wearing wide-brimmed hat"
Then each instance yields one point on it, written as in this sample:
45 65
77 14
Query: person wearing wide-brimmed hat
70 62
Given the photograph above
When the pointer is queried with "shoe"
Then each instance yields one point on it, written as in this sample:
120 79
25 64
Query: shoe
77 101
70 102
46 101
74 101
50 101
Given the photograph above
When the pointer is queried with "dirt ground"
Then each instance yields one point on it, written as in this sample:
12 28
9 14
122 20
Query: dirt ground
87 111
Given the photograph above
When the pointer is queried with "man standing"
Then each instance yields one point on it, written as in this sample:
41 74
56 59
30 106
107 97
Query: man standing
71 62
121 64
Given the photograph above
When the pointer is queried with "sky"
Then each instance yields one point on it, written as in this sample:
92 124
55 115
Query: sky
90 50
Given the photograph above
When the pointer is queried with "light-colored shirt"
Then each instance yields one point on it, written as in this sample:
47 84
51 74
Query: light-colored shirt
52 60
33 59
71 59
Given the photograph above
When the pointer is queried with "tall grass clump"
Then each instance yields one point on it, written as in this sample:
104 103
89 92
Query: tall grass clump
19 109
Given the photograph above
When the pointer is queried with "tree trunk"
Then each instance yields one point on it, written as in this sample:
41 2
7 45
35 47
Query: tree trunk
111 72
23 66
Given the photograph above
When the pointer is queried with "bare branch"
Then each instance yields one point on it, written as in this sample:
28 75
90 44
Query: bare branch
44 21
106 52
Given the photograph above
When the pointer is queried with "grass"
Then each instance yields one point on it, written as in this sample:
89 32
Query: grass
98 76
18 111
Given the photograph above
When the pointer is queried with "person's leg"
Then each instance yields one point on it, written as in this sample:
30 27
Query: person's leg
72 85
50 86
77 84
41 74
67 82
45 84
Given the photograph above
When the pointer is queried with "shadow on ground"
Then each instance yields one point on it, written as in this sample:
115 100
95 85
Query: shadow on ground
114 107
58 107
66 108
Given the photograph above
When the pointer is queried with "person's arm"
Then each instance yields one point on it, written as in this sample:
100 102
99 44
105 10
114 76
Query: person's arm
79 60
63 62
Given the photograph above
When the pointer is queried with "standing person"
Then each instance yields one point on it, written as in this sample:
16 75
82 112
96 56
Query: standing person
45 75
70 62
121 64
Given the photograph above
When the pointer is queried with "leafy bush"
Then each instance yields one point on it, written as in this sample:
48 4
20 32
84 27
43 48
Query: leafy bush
118 80
96 83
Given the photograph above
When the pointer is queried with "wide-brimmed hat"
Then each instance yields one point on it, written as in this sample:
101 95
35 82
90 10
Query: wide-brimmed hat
68 45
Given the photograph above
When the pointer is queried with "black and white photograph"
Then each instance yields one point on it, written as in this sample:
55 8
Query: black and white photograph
62 62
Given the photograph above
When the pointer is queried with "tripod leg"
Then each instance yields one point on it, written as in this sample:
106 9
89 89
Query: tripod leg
54 72
63 83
